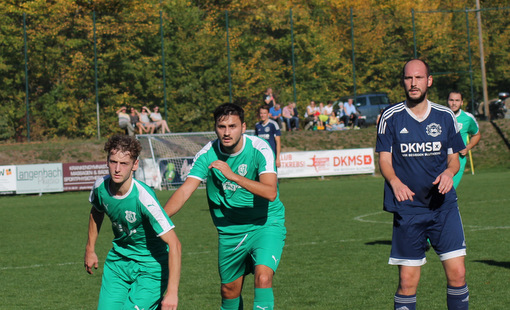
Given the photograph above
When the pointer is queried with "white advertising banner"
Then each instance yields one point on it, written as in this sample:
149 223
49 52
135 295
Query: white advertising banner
8 179
324 163
43 178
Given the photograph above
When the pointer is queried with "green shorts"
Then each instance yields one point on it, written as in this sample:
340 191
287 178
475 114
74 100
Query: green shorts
127 284
239 254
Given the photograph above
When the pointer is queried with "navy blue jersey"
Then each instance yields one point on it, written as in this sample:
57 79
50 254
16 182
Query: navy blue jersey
419 149
268 132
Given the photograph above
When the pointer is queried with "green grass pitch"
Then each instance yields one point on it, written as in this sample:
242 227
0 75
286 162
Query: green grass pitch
335 256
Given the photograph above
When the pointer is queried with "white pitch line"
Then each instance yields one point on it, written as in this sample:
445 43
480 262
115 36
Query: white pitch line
188 253
39 266
362 218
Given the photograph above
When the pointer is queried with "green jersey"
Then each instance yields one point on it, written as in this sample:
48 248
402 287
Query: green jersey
234 209
137 221
467 125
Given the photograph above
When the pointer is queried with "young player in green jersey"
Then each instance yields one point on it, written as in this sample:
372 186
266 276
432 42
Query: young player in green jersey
467 126
145 260
244 203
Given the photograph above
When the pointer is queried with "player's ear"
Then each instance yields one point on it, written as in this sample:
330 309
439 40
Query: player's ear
135 165
429 81
243 127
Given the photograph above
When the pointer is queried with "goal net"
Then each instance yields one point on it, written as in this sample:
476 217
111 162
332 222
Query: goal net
166 159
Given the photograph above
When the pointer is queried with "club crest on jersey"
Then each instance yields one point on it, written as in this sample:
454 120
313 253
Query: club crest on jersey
242 170
267 129
131 216
433 129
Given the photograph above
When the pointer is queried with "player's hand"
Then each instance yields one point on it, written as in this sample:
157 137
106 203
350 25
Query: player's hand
401 191
445 181
169 302
224 168
278 163
90 261
463 152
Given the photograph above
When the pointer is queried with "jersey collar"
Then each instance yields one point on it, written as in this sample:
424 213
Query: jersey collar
419 119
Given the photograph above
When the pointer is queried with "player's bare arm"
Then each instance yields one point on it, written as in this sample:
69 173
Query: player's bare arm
180 196
401 191
472 142
445 179
278 148
95 221
171 298
265 187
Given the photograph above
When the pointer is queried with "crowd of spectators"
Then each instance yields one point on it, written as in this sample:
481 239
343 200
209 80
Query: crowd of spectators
144 122
332 116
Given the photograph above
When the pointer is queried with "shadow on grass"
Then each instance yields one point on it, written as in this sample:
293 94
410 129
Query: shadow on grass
383 242
491 262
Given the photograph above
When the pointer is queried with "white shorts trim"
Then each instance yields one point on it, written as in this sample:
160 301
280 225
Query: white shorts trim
407 262
452 254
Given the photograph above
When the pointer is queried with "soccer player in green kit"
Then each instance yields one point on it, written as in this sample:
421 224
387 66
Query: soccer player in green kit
145 260
242 191
467 126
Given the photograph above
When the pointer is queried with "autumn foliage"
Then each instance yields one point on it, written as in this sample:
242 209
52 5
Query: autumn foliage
61 68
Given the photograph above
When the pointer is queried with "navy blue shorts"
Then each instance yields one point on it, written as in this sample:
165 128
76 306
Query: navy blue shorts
411 231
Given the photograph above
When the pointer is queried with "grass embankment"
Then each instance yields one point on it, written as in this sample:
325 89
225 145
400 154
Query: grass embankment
491 153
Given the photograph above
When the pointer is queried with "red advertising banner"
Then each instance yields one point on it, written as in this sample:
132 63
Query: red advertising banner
81 176
324 163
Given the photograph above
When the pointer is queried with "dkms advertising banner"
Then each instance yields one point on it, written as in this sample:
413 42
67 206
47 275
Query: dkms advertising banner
7 179
324 163
42 178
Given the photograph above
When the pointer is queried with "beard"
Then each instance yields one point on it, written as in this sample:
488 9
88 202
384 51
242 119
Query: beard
415 101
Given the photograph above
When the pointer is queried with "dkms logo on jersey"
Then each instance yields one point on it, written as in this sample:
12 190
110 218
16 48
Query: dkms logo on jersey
420 149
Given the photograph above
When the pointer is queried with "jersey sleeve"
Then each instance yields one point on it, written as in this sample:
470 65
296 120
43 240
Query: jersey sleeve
473 125
94 195
152 210
277 130
384 135
264 157
455 142
200 169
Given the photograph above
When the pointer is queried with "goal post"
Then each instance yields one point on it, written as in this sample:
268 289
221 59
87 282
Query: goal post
166 159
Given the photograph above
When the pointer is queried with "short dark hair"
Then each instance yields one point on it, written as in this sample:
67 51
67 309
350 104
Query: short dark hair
264 107
227 109
123 143
456 92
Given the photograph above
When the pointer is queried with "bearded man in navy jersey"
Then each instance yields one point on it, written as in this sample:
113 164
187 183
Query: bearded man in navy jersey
418 143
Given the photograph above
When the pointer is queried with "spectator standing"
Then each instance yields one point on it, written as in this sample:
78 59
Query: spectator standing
145 260
269 98
275 113
467 126
242 191
125 121
350 110
269 130
419 188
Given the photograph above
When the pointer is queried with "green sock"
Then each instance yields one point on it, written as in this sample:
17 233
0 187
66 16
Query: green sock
232 304
264 299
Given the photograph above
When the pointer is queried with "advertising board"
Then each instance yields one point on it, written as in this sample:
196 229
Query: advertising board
41 178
